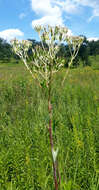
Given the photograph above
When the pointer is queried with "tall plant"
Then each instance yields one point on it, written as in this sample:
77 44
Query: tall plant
44 65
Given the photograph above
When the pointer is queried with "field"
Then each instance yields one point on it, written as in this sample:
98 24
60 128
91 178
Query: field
25 158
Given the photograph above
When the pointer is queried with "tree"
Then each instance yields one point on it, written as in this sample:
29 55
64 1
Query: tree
5 50
94 47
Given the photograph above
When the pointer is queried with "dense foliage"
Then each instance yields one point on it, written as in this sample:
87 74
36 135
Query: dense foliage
5 50
25 159
6 53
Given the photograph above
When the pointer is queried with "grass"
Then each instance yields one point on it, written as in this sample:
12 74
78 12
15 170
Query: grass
25 159
94 60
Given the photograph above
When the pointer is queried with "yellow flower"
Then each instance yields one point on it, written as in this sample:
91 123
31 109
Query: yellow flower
79 144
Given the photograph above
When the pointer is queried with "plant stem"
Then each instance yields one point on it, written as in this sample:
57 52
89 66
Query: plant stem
51 143
50 129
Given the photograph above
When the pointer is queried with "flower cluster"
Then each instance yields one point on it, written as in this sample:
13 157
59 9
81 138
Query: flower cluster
52 34
21 47
45 60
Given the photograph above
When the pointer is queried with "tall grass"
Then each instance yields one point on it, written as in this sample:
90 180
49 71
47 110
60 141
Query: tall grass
25 158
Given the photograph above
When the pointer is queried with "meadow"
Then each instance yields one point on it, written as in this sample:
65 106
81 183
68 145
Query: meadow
25 157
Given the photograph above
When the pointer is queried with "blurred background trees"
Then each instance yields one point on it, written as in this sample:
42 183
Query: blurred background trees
87 49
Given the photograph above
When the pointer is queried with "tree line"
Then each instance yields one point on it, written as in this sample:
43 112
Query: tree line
88 48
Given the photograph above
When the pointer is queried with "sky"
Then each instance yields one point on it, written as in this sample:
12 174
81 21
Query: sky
19 17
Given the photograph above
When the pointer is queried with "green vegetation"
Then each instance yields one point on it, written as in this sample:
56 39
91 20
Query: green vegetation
94 60
25 157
